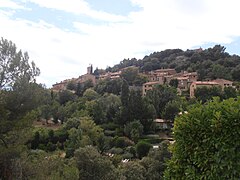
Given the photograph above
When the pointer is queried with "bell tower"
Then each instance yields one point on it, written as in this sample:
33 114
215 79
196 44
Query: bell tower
90 69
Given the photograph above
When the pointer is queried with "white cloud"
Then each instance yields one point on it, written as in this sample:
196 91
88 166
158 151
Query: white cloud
78 7
10 4
159 25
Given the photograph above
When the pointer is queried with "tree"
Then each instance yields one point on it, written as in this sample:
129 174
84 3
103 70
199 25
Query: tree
90 131
173 83
14 65
132 171
19 95
160 96
65 96
124 111
229 92
236 73
143 148
92 165
134 130
204 93
207 142
71 85
90 94
125 93
156 161
171 109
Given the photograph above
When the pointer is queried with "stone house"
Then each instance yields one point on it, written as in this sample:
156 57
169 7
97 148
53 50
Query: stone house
199 84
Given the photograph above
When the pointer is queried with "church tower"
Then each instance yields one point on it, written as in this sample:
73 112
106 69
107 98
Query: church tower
90 69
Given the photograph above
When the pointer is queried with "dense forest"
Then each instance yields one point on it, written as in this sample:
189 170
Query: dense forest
109 130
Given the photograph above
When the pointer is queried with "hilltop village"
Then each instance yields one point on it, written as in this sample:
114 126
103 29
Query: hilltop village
185 82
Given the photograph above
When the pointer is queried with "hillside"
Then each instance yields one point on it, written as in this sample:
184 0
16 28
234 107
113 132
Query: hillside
210 63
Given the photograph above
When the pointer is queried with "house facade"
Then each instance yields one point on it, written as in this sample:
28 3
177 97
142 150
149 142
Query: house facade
215 83
199 84
148 86
224 83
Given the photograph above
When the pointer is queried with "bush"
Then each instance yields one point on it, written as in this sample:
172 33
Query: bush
143 148
207 142
127 156
51 147
116 151
69 152
109 133
120 142
109 126
133 130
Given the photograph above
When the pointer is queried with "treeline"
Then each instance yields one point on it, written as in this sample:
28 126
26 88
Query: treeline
209 63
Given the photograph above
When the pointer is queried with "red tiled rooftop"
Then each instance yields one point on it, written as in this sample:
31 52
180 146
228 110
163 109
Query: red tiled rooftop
205 83
151 83
222 81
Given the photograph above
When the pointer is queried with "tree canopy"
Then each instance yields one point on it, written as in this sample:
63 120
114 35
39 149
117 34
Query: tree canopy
15 65
207 142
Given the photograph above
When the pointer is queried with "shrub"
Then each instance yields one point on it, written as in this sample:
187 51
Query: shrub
116 151
143 148
207 142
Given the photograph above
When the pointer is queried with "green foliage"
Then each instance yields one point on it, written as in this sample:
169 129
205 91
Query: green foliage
133 130
121 142
104 109
207 142
143 148
14 65
90 131
204 93
210 63
116 151
71 123
74 138
171 109
173 83
229 92
155 163
132 171
13 135
90 94
66 96
38 164
109 86
160 96
125 93
130 75
92 165
71 85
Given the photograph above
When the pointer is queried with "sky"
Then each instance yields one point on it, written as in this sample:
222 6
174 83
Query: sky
64 36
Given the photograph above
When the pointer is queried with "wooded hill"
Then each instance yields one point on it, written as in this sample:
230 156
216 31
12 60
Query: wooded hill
210 63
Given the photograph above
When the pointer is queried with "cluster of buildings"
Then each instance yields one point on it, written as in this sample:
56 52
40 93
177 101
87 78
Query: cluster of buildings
187 82
164 76
89 76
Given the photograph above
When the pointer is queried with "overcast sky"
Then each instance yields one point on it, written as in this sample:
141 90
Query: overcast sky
64 36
